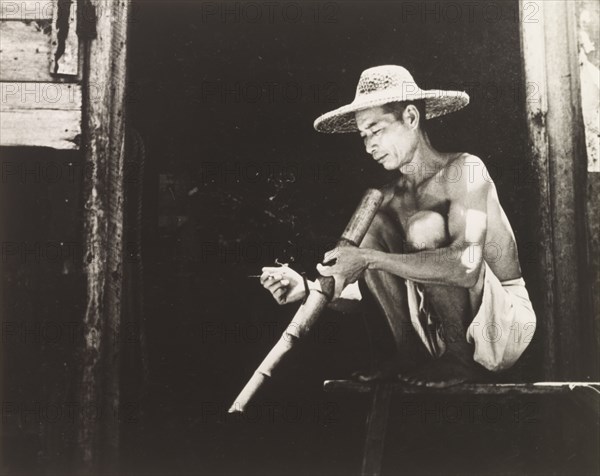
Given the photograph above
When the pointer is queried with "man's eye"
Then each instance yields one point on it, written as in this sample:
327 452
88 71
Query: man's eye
376 133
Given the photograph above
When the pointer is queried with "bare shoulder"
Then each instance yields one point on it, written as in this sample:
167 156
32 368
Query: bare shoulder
467 173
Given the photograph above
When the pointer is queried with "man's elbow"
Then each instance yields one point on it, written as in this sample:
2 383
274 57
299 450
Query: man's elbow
468 275
469 268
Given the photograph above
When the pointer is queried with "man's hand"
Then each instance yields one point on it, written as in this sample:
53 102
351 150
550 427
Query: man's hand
285 284
350 265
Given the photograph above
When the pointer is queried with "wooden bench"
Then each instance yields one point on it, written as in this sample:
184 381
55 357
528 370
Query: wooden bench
381 397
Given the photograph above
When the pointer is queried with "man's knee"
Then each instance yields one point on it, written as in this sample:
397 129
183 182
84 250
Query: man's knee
383 234
426 230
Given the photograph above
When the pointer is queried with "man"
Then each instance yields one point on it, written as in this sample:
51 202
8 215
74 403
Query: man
440 257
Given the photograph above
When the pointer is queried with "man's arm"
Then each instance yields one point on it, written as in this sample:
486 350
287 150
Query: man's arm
457 264
287 286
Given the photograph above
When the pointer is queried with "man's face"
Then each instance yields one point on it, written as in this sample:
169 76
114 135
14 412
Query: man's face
390 141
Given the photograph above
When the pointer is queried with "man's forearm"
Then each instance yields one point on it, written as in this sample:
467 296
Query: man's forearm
446 266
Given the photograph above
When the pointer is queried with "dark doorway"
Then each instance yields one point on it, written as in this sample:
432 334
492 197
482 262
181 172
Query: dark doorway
236 178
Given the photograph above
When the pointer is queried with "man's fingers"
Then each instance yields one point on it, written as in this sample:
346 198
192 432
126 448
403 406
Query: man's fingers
278 285
330 271
331 255
271 273
275 270
339 287
271 280
280 293
324 270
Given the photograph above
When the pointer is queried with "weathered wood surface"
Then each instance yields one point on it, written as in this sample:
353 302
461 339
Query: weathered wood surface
103 138
555 121
34 58
40 114
25 48
533 53
39 50
589 53
26 9
536 388
566 133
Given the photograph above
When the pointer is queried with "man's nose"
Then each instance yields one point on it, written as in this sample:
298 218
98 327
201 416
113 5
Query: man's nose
370 145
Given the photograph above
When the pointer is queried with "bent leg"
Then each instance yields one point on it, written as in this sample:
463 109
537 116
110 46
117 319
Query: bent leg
426 230
450 308
389 293
456 365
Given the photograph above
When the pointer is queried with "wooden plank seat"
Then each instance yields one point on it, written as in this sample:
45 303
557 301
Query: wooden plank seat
587 393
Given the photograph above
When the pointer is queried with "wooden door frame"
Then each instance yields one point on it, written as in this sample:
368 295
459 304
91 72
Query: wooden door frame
104 25
558 156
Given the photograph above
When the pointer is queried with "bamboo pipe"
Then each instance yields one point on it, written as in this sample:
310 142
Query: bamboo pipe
309 312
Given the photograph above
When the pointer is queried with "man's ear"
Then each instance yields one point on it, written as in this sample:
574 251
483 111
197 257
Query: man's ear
411 116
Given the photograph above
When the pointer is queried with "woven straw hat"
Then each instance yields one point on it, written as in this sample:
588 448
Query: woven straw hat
384 84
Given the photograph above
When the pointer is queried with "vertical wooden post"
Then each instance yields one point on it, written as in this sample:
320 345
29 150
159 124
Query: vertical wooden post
104 23
556 130
376 428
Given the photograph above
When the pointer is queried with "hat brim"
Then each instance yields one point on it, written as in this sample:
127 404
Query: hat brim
437 103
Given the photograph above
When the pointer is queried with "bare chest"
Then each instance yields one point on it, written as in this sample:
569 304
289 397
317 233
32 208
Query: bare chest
406 202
